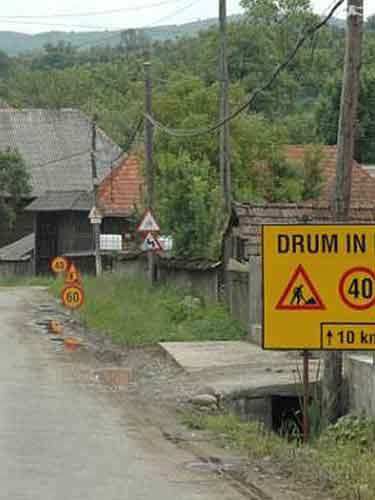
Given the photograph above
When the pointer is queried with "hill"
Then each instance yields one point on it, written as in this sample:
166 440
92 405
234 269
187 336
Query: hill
14 43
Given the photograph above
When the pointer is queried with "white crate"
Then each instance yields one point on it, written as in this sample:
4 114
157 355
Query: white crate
110 242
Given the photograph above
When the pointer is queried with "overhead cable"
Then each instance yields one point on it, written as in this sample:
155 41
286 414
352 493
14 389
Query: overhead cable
93 13
304 35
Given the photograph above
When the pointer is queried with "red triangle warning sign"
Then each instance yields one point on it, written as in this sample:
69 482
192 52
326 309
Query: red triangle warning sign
300 293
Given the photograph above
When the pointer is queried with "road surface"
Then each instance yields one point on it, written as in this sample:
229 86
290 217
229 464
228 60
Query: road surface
61 440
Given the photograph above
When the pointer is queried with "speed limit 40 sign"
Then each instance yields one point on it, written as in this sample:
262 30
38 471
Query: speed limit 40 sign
319 287
72 296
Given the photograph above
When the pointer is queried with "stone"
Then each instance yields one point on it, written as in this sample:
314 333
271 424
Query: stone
114 376
204 400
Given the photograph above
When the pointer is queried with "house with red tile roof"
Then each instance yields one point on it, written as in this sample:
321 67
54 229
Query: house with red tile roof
56 147
363 184
247 218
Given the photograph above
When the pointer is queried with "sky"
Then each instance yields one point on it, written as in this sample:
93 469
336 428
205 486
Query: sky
62 16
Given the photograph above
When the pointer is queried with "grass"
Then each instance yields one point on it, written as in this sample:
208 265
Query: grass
133 313
26 281
339 462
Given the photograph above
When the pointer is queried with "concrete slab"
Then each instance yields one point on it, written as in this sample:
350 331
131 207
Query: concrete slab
232 369
195 356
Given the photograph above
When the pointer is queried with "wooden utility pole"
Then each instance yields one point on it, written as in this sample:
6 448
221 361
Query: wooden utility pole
224 110
225 170
150 166
95 182
333 365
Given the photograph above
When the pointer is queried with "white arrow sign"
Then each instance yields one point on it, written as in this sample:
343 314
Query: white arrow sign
148 223
151 244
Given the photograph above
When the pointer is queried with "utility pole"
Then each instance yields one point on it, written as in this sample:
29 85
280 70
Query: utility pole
333 364
95 182
150 166
225 170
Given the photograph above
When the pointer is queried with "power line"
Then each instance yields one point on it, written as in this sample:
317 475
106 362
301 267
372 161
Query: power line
93 13
60 25
161 20
116 31
240 109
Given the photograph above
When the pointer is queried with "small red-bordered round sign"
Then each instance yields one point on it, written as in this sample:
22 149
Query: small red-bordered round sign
357 288
59 265
72 296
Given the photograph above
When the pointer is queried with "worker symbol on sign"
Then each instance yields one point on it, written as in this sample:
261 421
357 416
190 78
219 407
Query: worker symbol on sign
300 293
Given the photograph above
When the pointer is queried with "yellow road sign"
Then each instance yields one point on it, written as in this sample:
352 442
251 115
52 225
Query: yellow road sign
59 265
72 275
72 296
319 287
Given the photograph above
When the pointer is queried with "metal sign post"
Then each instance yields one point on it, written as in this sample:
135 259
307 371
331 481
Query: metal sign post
319 287
306 396
318 291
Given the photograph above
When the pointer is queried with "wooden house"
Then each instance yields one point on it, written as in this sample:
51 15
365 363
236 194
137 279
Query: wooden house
247 218
56 146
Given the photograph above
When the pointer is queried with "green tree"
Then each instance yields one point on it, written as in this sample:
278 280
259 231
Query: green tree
188 205
4 65
370 23
328 109
14 184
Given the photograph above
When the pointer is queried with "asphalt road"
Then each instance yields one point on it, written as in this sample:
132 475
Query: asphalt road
62 440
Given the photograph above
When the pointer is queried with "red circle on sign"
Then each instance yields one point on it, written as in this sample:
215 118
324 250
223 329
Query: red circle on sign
59 265
72 296
344 298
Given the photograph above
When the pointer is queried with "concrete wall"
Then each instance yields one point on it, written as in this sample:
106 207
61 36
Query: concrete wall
246 298
201 283
130 266
360 376
239 296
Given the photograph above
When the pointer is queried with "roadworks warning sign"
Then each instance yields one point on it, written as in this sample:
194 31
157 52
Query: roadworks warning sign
300 293
319 287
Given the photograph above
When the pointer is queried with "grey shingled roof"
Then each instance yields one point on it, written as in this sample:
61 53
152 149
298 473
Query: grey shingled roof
62 200
19 250
56 146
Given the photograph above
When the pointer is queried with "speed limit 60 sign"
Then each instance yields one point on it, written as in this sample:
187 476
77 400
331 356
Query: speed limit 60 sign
319 287
72 296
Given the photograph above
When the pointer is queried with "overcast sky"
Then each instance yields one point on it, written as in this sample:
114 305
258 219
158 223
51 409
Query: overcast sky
134 13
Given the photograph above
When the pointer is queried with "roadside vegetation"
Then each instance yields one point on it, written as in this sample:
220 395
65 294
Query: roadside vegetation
26 281
133 313
339 462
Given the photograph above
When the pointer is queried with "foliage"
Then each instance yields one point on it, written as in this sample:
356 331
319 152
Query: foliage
312 173
13 280
4 64
186 188
251 436
133 313
14 184
351 429
328 106
300 108
338 464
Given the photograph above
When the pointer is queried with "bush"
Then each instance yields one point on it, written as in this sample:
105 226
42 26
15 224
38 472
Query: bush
134 313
